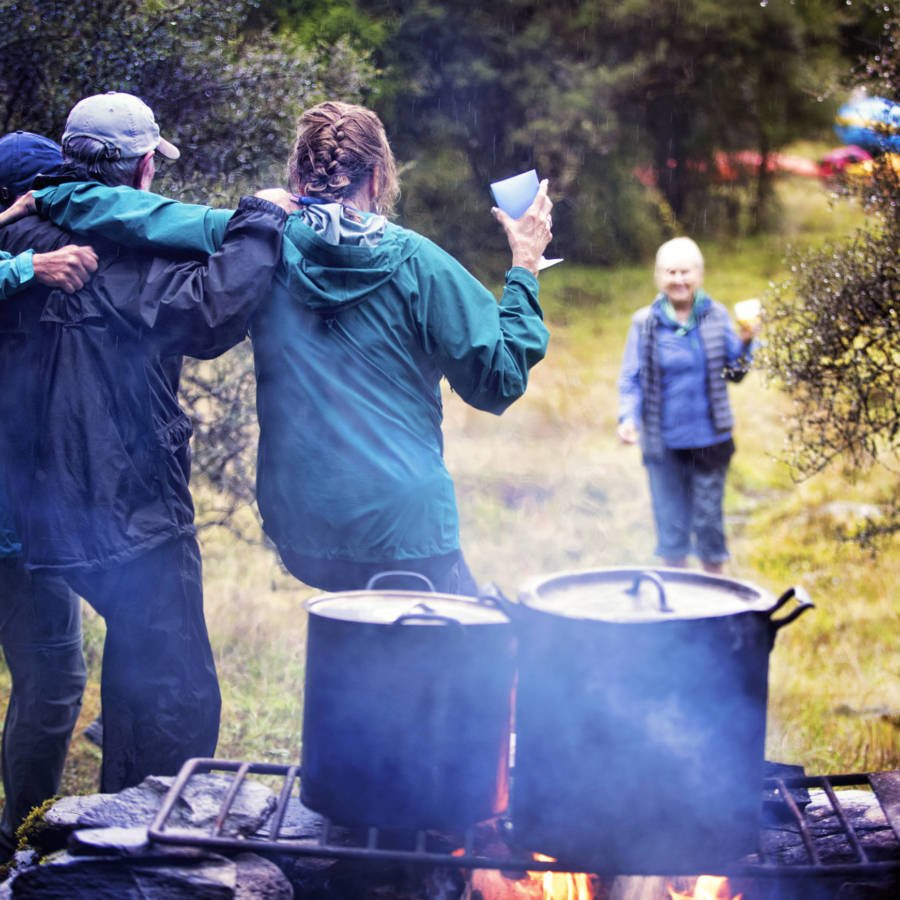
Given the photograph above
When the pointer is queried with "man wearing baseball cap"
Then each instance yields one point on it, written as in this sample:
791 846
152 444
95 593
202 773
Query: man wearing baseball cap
106 501
40 617
123 123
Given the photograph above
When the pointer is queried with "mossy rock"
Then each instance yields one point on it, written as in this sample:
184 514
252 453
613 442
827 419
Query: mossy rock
36 833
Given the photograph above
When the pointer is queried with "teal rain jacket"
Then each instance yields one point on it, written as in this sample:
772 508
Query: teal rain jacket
16 272
350 348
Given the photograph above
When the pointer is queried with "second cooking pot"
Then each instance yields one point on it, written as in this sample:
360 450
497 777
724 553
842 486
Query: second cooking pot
640 718
407 709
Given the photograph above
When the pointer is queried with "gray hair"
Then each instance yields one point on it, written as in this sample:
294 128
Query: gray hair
101 161
682 250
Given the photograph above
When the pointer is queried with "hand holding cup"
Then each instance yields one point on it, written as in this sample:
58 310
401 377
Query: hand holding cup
748 314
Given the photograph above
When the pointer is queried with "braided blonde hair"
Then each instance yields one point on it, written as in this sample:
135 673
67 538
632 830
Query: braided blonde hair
338 146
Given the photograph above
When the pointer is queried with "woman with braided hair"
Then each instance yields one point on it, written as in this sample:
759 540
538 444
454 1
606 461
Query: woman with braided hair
349 356
363 320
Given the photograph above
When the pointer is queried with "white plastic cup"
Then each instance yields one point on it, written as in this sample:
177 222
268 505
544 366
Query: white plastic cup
747 312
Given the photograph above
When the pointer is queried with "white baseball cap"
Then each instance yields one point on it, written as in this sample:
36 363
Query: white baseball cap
121 121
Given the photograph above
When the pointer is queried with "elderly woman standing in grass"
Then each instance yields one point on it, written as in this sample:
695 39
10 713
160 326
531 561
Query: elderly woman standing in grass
673 397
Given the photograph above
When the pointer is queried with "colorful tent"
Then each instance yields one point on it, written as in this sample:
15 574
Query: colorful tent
870 122
836 161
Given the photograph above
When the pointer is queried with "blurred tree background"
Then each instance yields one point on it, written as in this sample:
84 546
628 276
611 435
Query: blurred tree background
835 338
626 105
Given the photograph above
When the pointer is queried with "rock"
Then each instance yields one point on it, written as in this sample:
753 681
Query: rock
66 812
66 877
259 879
113 841
299 822
197 808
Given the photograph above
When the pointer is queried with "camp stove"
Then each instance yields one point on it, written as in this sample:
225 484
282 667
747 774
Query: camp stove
810 830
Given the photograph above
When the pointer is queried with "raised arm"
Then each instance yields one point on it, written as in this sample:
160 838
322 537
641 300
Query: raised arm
740 347
529 235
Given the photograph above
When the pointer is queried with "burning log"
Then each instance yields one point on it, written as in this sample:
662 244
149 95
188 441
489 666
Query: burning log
707 887
492 884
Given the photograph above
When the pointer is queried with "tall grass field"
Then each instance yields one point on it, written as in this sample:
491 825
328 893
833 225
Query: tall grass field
547 487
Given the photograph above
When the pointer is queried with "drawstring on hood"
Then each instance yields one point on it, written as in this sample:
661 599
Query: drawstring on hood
339 224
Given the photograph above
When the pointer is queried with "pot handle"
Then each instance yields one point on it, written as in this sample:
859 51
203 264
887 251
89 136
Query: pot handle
656 580
803 604
491 595
427 616
375 578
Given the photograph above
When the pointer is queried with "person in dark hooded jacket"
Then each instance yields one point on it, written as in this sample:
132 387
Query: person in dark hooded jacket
103 499
40 616
363 320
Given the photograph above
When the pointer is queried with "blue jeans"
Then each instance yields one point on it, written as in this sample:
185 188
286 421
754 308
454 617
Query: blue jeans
687 508
40 628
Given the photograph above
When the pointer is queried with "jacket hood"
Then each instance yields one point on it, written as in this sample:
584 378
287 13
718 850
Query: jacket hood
327 277
68 171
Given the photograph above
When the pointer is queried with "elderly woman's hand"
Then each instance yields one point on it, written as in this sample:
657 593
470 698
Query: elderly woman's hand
747 331
627 432
529 235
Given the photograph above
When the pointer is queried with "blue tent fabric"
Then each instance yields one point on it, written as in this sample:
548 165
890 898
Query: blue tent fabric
872 123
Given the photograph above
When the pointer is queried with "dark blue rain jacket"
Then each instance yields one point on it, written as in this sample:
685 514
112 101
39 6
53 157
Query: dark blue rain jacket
103 459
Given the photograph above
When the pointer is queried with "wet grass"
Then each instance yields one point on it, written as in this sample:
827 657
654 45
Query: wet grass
547 487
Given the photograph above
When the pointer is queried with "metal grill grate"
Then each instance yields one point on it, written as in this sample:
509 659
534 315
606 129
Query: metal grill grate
838 849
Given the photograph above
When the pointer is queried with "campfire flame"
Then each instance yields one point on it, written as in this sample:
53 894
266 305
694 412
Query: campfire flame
490 884
708 887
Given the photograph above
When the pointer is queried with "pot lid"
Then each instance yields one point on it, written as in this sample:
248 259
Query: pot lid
642 595
410 607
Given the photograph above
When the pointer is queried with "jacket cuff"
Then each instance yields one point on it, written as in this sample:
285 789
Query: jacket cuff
520 275
24 265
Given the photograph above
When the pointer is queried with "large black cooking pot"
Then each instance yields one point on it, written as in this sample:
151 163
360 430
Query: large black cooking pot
407 709
640 717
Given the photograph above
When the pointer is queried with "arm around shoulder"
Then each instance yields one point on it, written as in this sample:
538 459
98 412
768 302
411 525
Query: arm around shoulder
203 309
133 217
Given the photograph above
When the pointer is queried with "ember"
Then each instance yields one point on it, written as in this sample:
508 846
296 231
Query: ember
708 887
491 884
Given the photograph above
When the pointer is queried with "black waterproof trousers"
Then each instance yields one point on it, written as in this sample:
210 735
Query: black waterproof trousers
40 629
158 688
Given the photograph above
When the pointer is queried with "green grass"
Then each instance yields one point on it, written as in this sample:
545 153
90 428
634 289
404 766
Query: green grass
547 487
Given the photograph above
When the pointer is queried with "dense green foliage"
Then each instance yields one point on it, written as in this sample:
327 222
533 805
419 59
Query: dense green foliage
835 336
587 91
226 95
